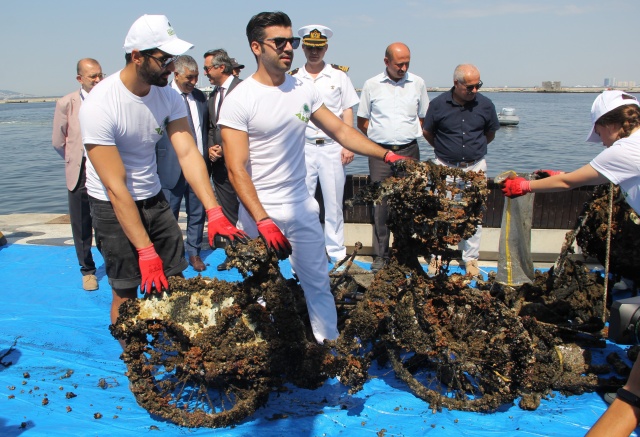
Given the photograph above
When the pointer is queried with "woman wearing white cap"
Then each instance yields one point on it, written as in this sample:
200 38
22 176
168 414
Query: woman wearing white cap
615 117
616 123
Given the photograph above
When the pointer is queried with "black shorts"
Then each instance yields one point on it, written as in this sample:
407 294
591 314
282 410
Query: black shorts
120 256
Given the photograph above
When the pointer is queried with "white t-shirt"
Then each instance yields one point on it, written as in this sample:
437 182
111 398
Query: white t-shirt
620 163
336 90
275 118
394 109
112 115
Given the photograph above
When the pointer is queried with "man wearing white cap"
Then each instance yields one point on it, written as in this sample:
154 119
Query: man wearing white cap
121 122
325 158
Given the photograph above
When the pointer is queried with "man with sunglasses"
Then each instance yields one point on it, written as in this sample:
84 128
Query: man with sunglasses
326 159
67 141
459 125
391 111
122 121
218 67
263 124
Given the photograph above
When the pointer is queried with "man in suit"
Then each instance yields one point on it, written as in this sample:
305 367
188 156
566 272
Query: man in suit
174 184
67 141
218 67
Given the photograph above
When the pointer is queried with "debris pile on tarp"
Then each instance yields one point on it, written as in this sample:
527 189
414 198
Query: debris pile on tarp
209 352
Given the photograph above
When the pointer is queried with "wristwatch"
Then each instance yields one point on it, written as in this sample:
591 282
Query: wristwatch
628 397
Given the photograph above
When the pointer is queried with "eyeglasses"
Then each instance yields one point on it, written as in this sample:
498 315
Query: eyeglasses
164 61
471 87
281 42
206 69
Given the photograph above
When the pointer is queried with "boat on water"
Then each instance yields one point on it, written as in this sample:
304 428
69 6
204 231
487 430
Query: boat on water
508 117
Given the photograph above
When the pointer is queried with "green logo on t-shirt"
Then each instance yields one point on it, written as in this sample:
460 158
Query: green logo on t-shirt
160 129
304 114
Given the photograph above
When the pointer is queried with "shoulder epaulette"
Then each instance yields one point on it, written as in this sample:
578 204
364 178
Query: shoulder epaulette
340 67
294 71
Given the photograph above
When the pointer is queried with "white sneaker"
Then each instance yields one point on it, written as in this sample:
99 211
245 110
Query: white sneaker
472 268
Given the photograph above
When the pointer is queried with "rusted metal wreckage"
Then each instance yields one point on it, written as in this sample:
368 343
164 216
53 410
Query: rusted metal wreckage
209 352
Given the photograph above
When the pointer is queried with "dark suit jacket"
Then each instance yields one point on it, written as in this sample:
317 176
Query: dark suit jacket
168 166
214 130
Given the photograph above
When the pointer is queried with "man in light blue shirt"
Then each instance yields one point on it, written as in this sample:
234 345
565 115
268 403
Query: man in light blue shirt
392 108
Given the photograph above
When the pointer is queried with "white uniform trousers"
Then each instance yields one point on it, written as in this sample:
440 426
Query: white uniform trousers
471 247
299 222
324 163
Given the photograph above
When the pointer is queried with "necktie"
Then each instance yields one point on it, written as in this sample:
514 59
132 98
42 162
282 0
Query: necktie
189 116
220 98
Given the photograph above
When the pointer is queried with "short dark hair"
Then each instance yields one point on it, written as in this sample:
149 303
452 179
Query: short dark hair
257 24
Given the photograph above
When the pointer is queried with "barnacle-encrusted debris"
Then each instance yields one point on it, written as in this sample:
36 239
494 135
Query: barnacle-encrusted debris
208 352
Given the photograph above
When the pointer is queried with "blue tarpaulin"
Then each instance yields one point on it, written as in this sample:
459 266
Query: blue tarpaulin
57 343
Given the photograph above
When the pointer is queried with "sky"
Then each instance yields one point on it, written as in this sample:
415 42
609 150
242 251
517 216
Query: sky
514 43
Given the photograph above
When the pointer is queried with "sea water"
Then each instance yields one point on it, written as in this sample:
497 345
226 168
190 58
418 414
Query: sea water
551 134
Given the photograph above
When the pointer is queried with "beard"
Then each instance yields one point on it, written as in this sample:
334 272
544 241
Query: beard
157 78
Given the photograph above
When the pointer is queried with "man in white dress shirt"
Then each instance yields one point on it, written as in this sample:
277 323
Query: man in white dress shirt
391 112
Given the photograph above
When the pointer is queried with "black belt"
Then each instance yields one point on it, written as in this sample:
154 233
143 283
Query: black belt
396 147
151 201
461 164
319 141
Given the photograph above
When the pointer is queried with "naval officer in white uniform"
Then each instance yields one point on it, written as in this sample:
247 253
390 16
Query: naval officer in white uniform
325 158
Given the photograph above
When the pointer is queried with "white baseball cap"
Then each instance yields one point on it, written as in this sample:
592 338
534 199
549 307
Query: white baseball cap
154 32
607 102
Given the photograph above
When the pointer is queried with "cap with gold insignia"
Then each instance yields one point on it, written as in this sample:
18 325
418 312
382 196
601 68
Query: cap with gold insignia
315 35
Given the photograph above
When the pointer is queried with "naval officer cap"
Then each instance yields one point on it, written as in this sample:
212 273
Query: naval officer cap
315 35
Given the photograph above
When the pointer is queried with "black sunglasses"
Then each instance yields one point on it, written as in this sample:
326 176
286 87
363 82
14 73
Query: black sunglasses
164 61
281 42
471 87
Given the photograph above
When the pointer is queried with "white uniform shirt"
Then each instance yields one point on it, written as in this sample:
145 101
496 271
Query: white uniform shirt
275 118
194 116
620 163
336 90
113 115
394 108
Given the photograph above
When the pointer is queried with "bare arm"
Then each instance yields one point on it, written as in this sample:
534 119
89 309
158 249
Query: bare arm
191 161
347 156
236 158
346 135
429 137
620 419
490 136
363 124
347 117
60 125
108 164
585 175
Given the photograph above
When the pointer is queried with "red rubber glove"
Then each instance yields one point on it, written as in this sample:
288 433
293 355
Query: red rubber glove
391 158
541 174
219 225
151 270
516 187
274 238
